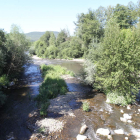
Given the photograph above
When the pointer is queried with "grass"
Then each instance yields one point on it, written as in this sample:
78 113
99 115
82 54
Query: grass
52 85
86 106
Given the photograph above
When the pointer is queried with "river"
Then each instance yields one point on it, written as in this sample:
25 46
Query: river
20 104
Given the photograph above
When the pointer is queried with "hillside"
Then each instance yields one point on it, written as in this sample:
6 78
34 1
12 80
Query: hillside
34 36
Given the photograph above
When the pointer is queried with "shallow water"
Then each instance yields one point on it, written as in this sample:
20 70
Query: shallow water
20 101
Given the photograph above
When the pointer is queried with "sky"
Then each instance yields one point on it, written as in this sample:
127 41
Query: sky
48 15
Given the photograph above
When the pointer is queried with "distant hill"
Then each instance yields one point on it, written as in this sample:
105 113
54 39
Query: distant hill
34 36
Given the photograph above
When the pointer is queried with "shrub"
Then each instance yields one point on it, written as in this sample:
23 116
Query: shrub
52 85
32 51
86 106
89 72
4 80
43 110
119 99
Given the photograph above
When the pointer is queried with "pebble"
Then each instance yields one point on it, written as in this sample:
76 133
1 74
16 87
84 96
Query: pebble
83 129
123 119
121 111
129 107
119 131
81 137
103 131
127 116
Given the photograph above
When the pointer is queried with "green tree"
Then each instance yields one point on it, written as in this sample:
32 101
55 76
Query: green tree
125 15
52 40
89 29
118 67
3 51
45 38
62 37
16 46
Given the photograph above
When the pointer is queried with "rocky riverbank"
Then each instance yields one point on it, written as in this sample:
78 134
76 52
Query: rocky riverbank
66 112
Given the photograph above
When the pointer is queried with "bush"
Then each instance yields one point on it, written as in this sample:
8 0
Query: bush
4 80
52 85
119 99
43 110
86 106
89 72
32 51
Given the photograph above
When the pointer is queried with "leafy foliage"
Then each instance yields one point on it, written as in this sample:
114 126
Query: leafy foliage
12 56
52 85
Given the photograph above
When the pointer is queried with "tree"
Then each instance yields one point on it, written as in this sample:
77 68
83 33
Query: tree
52 40
3 51
125 15
62 37
45 38
16 46
118 67
88 28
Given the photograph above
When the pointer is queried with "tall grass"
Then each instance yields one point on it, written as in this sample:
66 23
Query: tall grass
52 85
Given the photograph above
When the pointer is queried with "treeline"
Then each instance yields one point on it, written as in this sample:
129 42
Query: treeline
65 46
12 57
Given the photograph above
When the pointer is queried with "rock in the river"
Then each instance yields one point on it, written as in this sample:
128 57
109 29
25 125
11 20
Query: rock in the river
103 131
108 101
129 121
109 137
83 129
129 107
126 138
139 110
123 119
81 137
121 111
119 131
126 116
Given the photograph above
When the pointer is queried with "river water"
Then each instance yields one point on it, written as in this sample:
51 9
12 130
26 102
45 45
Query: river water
20 104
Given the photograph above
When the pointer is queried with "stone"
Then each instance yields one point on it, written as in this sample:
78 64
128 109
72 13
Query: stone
129 107
138 110
109 137
127 116
108 101
129 121
119 131
81 137
103 131
123 119
121 111
83 129
126 138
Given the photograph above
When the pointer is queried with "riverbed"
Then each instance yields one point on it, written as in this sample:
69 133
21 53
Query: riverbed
68 108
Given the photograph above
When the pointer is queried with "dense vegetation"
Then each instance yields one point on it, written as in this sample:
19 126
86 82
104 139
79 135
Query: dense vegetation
34 36
113 62
12 57
64 46
109 38
52 85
